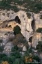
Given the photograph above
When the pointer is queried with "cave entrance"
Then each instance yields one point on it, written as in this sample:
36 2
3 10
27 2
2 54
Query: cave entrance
33 25
17 20
30 39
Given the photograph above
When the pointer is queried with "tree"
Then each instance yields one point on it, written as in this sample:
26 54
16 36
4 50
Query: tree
1 48
1 56
15 42
15 48
40 16
1 41
8 1
39 30
35 57
17 30
16 61
12 58
39 46
20 39
28 15
15 52
8 59
15 8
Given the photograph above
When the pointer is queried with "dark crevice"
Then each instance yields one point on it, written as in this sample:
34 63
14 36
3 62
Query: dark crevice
33 24
17 20
30 39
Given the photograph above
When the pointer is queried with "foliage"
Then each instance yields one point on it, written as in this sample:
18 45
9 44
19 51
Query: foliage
17 58
29 15
1 56
1 48
1 41
15 48
16 30
8 59
39 6
8 1
19 39
36 58
15 52
15 8
30 5
39 46
12 58
17 61
15 42
40 16
39 30
29 58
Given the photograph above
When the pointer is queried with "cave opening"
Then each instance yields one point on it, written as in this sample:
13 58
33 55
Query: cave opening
33 24
17 20
30 39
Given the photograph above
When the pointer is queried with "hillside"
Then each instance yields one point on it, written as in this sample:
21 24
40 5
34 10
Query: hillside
26 5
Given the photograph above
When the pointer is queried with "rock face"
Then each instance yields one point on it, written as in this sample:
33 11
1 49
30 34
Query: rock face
38 21
24 48
26 28
20 18
7 48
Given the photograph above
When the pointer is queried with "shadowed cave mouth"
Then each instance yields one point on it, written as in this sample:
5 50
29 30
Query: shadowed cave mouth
33 25
17 20
30 39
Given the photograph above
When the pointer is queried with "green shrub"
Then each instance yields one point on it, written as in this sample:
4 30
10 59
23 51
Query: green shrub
39 30
16 30
40 16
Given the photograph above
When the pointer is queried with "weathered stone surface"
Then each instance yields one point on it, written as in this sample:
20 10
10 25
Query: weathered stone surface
24 23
